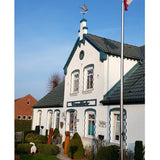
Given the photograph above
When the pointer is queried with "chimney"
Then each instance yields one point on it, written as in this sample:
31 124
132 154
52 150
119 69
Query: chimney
83 28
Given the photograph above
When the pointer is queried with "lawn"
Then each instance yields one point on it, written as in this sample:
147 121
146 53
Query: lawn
37 157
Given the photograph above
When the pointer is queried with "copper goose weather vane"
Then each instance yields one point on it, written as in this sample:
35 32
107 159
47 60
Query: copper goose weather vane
84 9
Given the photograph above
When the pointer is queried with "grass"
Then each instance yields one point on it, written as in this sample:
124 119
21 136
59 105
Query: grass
37 157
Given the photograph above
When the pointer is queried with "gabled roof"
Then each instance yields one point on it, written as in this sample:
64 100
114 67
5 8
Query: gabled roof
134 88
53 98
107 46
112 47
27 96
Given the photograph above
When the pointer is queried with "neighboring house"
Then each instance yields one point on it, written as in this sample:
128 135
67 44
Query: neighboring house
87 101
23 107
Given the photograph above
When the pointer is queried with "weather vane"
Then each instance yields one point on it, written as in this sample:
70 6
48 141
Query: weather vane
84 9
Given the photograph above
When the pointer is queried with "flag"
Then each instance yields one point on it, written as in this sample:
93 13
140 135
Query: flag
126 4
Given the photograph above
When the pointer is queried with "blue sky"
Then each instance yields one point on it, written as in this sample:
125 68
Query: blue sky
46 30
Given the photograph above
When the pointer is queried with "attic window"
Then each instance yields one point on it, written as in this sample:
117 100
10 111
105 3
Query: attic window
28 102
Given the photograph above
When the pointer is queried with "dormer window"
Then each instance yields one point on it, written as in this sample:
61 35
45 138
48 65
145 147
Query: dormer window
75 81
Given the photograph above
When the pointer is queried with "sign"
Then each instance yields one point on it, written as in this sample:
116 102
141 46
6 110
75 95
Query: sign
82 103
102 124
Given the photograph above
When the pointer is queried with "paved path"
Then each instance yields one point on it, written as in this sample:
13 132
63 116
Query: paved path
61 155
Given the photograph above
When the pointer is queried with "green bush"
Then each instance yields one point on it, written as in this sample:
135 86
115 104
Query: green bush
56 133
48 149
31 137
108 153
75 147
23 148
138 150
22 125
41 148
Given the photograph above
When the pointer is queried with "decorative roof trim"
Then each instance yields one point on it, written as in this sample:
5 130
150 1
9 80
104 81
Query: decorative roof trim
83 20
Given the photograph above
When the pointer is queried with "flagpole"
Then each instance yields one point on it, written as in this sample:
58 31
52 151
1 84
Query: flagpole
121 77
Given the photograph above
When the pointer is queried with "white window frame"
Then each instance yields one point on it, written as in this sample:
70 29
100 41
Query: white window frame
29 117
69 123
39 117
75 82
88 78
56 119
24 117
49 119
20 117
114 123
87 113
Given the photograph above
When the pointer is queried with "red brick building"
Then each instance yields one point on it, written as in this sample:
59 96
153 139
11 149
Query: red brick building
23 107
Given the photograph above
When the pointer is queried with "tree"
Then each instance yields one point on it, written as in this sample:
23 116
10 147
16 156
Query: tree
54 81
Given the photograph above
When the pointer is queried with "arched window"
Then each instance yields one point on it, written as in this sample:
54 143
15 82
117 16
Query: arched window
49 119
71 123
56 118
88 77
75 81
115 125
90 120
39 117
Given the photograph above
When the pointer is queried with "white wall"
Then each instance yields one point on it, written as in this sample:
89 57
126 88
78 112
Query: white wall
135 124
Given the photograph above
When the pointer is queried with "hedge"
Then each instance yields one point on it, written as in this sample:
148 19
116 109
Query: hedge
23 148
108 153
22 125
48 149
31 137
41 148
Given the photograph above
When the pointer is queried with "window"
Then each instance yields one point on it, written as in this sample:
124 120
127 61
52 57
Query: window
90 116
115 125
18 117
57 119
24 117
71 121
91 124
88 77
39 118
49 120
29 117
28 101
75 81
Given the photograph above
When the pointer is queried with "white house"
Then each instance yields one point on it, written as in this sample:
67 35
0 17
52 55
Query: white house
88 101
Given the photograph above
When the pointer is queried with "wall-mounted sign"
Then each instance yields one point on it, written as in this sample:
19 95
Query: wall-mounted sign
102 124
82 103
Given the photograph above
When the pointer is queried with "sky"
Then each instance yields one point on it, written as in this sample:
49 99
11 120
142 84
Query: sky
46 31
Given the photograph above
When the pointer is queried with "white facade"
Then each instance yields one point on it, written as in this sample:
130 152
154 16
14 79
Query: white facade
87 80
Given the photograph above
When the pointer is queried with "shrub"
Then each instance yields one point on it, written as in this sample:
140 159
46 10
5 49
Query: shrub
22 125
108 153
56 133
75 147
138 150
41 148
23 148
48 149
31 137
